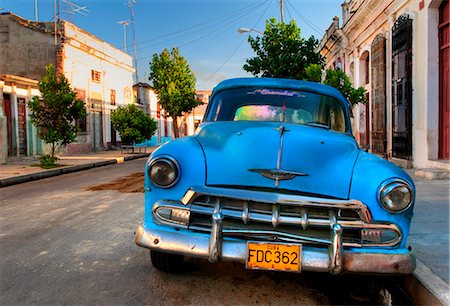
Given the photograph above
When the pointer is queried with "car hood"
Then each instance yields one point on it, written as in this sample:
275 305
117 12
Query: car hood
248 154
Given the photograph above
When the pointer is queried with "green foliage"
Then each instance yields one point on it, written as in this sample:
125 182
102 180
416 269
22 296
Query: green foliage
281 52
339 80
47 161
133 125
314 73
174 82
55 115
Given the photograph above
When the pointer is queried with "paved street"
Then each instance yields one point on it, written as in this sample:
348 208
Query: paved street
61 244
429 235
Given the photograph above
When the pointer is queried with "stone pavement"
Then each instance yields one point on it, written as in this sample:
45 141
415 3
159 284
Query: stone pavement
429 235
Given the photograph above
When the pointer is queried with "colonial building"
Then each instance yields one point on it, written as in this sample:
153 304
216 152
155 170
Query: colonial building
399 52
101 74
17 135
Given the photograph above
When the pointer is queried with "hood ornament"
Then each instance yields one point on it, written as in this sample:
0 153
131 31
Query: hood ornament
279 174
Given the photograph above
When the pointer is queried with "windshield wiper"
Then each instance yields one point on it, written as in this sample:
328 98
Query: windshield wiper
317 124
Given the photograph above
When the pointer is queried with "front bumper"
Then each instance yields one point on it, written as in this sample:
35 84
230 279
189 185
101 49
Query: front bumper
333 259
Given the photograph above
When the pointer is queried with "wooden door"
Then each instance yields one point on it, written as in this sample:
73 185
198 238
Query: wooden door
444 80
22 125
7 103
378 92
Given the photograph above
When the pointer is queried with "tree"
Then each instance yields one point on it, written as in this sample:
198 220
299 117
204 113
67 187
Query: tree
174 83
133 125
281 52
339 80
55 114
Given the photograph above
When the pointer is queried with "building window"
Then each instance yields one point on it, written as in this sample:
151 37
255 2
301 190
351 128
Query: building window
96 76
112 97
4 33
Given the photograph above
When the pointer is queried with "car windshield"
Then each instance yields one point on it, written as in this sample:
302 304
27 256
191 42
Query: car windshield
279 105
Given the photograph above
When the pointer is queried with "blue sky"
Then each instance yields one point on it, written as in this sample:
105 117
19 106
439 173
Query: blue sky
204 30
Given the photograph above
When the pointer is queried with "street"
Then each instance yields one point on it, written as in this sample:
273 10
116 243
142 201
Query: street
62 244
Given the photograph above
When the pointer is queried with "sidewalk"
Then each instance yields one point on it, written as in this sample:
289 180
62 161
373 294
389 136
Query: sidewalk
429 235
21 170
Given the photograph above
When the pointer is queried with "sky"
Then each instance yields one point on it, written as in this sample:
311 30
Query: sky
204 30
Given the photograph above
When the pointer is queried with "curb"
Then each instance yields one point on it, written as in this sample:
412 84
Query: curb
69 169
424 287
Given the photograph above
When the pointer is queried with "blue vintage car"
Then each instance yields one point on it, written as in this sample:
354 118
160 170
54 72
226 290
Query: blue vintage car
273 178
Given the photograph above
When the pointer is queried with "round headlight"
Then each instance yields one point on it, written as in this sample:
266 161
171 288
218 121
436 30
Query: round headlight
163 172
396 195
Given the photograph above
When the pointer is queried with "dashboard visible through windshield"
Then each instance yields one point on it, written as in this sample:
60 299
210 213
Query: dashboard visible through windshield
278 105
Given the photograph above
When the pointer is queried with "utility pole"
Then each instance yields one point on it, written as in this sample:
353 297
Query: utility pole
54 20
124 23
130 5
282 11
59 10
36 12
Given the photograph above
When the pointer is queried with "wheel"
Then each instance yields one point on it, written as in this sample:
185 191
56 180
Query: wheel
166 262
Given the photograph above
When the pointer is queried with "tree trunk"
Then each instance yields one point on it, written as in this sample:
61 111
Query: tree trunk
176 133
53 149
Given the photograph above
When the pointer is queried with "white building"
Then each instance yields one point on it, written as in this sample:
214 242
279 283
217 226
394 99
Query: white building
399 52
100 73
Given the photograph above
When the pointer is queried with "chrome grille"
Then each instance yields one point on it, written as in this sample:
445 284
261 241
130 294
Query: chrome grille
261 216
275 222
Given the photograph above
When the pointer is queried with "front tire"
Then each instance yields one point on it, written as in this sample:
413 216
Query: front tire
166 262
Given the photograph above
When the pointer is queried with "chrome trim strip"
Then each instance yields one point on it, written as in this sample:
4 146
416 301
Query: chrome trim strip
273 198
285 237
266 218
313 259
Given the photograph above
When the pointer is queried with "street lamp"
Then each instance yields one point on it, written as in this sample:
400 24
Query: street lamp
246 30
124 23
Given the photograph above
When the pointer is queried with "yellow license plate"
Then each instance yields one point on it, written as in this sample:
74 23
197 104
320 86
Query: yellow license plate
274 256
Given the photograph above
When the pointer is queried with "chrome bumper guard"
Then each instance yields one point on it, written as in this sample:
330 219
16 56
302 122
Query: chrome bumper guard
221 242
334 261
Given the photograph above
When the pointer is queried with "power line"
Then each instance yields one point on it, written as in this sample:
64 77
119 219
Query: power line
235 50
309 23
289 12
244 14
214 30
213 22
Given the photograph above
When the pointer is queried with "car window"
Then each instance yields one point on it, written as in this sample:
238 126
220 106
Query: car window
265 104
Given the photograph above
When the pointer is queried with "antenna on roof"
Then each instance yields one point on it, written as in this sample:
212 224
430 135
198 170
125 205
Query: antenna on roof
124 23
131 3
73 8
36 11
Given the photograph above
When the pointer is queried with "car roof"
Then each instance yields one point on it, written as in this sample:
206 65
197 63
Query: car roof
281 84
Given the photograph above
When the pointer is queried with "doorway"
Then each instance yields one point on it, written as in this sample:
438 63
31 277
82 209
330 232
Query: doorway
402 88
444 79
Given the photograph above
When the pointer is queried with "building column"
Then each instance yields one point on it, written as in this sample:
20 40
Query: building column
3 128
391 21
432 78
14 121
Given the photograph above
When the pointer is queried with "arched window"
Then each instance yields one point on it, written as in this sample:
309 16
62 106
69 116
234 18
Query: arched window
364 68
